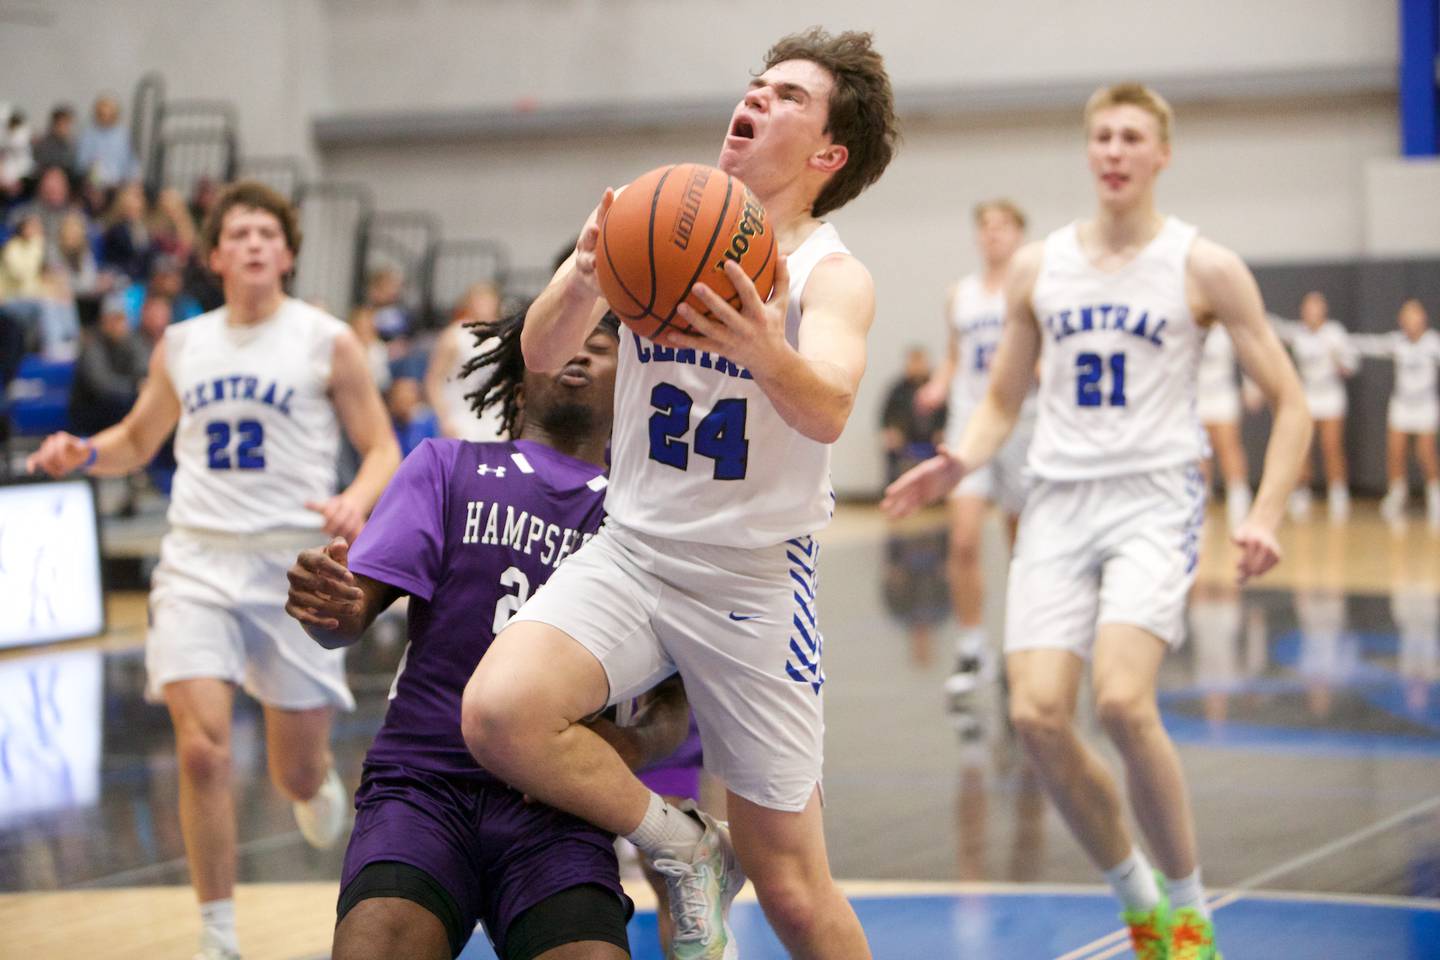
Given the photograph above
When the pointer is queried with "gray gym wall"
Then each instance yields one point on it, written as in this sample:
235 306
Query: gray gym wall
508 117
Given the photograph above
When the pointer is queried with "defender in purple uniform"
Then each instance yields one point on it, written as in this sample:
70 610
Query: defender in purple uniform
469 531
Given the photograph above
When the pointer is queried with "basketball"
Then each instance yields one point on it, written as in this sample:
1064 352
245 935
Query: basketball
672 228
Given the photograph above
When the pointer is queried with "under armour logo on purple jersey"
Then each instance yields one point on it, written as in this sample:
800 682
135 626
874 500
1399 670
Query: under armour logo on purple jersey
485 470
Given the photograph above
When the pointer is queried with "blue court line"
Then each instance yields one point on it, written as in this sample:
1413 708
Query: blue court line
1184 728
1020 924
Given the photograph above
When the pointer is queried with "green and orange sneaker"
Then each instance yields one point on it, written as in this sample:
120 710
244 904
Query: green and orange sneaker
1150 930
1192 936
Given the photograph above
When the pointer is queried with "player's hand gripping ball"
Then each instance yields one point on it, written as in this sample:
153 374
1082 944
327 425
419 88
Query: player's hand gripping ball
675 227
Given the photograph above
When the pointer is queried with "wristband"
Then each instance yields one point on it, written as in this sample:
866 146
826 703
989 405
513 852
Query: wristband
94 455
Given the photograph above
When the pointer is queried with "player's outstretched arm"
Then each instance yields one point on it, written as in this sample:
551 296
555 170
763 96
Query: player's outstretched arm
1013 371
333 605
125 447
812 384
660 732
565 312
358 405
1232 297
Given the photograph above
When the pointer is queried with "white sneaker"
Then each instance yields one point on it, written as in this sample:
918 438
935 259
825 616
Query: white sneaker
700 894
1392 505
1298 505
322 818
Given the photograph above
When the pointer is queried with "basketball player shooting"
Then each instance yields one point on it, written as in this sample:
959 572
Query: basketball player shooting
1115 309
706 564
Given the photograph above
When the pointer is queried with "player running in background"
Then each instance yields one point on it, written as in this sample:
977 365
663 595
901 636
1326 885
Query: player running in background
975 313
1115 309
256 393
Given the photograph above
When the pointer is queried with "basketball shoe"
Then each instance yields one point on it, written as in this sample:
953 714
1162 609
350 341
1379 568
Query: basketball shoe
1299 503
1150 930
701 891
321 819
213 951
1192 936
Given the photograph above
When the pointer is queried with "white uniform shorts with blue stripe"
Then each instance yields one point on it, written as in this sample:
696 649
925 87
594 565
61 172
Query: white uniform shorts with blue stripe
217 610
740 626
1119 549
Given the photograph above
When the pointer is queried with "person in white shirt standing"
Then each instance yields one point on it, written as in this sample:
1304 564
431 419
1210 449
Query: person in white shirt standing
1115 309
1326 358
1220 407
256 393
974 314
1414 411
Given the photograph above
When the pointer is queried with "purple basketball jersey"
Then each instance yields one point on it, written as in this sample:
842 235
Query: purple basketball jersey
469 531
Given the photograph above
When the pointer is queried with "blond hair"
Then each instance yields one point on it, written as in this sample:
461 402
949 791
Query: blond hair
1132 95
1003 205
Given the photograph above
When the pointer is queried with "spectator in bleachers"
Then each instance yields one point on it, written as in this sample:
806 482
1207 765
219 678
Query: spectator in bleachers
155 315
362 321
103 154
444 388
383 289
52 204
17 160
166 280
21 260
126 246
38 300
57 147
172 228
108 373
78 269
413 420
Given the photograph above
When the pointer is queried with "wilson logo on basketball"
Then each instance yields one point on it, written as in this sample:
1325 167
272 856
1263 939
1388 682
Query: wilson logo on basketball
752 224
689 208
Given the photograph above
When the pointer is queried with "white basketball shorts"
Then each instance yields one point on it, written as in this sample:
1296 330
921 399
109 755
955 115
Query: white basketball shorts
1329 403
1218 406
1119 549
1413 417
741 627
217 609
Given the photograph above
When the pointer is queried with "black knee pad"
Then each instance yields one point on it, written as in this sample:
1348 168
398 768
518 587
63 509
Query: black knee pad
574 915
389 878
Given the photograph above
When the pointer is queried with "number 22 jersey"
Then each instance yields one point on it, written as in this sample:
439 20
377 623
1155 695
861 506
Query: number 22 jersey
1120 353
258 434
700 454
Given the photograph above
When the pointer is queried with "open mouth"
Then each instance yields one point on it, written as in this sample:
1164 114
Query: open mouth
742 129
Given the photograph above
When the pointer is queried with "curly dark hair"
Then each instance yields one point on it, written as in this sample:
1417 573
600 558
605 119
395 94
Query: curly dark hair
862 107
258 196
505 361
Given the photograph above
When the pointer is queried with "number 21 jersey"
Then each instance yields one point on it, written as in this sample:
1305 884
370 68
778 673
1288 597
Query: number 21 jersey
1119 357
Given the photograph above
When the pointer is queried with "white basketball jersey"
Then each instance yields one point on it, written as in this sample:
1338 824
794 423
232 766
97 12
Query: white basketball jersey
1119 359
1415 363
700 454
976 317
1217 364
258 435
1322 358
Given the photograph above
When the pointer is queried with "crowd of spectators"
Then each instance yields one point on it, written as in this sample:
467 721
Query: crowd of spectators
94 265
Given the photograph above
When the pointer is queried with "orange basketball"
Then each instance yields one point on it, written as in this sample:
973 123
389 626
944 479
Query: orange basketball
672 228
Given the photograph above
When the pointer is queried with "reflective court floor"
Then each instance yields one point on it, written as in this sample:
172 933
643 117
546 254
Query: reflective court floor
1306 709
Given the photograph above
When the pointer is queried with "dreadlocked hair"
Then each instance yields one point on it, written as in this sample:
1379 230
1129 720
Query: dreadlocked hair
500 356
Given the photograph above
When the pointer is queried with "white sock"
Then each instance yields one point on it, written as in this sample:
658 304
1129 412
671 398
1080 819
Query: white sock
218 919
971 641
1432 496
666 832
1187 892
1134 884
